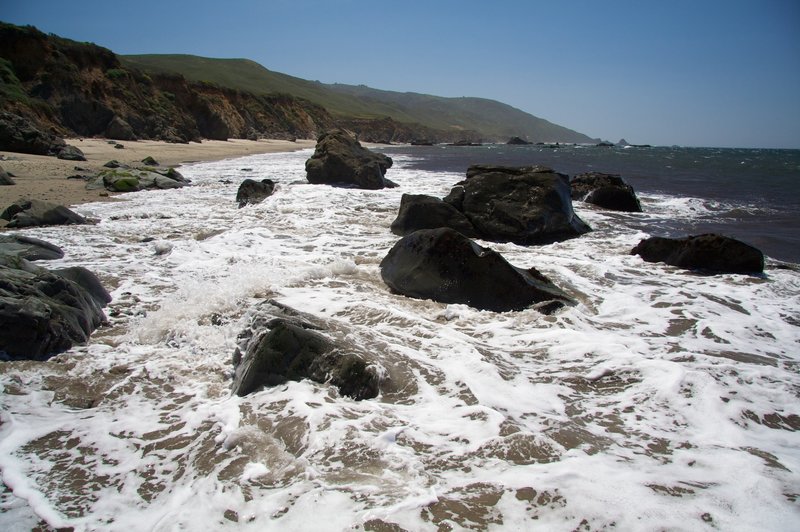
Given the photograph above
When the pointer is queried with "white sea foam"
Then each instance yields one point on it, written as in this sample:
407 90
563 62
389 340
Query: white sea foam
663 400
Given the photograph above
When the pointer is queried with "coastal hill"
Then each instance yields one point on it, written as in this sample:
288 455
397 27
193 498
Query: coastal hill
489 119
72 88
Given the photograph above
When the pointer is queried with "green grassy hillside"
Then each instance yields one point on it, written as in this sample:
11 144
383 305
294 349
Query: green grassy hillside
492 119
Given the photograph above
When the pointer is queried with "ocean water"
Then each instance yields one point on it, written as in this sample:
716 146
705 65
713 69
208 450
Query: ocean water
749 194
664 400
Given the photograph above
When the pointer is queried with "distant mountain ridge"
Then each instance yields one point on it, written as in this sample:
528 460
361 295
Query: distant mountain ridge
70 88
476 118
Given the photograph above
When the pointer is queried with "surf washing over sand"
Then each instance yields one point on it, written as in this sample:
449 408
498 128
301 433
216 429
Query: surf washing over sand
663 400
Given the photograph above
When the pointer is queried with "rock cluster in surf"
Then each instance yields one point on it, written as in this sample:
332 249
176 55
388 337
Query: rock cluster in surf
436 259
524 205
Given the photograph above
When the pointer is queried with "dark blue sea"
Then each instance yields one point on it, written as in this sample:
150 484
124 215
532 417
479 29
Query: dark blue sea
749 194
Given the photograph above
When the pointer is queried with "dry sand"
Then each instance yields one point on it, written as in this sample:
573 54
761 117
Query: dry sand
46 178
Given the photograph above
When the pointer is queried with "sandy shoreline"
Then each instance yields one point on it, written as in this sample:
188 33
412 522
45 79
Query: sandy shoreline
46 178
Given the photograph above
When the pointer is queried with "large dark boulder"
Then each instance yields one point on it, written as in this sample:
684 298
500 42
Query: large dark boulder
43 313
524 205
444 265
71 153
418 211
608 191
252 191
709 252
18 134
28 248
284 345
339 159
31 212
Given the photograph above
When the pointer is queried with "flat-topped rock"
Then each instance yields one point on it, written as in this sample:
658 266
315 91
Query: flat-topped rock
708 252
524 205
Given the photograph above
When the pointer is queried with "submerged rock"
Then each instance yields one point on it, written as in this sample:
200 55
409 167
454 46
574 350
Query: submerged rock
284 345
30 213
339 159
42 312
445 266
709 252
254 192
608 191
524 205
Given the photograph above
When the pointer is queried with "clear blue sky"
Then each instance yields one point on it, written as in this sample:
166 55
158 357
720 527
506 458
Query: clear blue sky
694 73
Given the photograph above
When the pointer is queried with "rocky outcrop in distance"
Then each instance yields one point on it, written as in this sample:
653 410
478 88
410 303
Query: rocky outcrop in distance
709 252
389 131
445 266
339 159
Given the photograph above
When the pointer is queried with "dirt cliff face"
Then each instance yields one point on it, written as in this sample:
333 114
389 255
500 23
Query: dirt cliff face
82 89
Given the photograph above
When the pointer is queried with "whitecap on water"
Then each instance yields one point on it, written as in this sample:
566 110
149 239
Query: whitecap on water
663 399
